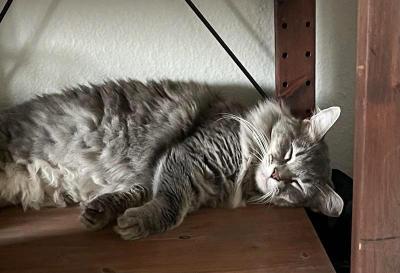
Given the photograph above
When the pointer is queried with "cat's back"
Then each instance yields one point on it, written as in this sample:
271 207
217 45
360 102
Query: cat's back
104 109
112 98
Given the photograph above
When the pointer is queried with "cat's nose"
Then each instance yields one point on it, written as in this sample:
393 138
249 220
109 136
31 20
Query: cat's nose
275 174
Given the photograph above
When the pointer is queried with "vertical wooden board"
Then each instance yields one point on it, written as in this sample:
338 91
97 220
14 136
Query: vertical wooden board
376 218
295 54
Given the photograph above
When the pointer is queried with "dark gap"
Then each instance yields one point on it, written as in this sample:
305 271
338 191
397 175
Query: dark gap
335 233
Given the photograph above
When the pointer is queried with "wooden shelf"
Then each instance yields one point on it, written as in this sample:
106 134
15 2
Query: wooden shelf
254 239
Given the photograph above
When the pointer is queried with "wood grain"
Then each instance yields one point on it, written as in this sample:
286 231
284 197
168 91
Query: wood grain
254 239
376 217
295 54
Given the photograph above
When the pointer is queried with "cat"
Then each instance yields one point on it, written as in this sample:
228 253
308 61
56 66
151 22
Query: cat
144 155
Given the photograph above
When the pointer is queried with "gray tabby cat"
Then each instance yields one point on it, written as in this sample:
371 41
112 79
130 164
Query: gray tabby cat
146 155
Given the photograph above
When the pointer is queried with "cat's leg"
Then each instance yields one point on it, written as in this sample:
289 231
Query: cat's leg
156 216
105 208
173 199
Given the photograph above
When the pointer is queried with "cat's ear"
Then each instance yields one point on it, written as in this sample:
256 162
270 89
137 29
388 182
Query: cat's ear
327 202
321 122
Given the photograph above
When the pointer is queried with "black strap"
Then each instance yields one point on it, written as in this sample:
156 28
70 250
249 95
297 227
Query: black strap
5 9
227 49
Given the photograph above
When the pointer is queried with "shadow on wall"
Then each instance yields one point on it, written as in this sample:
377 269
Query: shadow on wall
22 57
262 43
240 93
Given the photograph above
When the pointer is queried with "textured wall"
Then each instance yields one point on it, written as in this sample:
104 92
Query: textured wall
46 45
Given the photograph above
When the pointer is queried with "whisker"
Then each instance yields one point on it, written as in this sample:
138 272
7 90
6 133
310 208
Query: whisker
265 198
320 189
257 152
260 199
259 137
273 194
256 156
256 199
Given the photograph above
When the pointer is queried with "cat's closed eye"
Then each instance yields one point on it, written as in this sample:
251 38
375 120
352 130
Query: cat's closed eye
289 154
297 185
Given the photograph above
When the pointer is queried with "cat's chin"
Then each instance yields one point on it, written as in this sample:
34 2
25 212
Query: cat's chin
265 184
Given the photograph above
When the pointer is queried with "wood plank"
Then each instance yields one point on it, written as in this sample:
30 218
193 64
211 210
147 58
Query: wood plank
254 239
295 54
376 213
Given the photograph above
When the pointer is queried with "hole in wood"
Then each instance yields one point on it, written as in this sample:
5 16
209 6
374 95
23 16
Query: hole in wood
284 25
185 237
284 55
305 255
107 270
285 84
308 83
308 54
308 24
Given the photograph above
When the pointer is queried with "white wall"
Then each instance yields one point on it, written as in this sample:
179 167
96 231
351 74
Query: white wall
46 45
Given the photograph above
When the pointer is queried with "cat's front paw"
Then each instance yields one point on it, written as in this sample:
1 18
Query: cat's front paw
131 225
94 215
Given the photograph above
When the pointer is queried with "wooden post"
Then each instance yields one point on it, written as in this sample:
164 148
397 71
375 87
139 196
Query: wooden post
376 211
295 54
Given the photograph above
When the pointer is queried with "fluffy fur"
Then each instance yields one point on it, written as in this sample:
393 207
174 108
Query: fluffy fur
146 155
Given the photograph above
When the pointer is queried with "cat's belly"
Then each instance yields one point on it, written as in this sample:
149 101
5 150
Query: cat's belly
38 184
76 185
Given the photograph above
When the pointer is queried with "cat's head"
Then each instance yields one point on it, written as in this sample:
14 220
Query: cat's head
294 166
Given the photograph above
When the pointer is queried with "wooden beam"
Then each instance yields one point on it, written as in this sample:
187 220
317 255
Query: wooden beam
295 54
376 211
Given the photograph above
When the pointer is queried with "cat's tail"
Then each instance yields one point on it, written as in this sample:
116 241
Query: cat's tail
12 175
4 159
3 143
19 182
